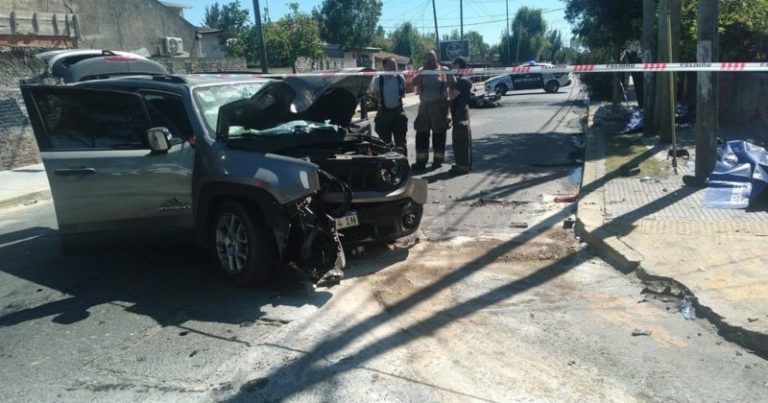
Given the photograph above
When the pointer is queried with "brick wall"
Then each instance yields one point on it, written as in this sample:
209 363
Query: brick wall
18 147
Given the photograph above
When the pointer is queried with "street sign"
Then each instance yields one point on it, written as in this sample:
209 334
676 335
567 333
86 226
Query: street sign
450 50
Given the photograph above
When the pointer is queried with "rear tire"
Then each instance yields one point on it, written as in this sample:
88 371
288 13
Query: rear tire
501 89
244 248
552 87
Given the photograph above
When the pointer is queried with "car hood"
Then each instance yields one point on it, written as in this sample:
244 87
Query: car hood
318 98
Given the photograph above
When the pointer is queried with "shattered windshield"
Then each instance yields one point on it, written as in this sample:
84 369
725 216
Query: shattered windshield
210 99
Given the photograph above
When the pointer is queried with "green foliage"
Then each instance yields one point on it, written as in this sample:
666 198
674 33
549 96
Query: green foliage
348 23
528 29
478 49
743 30
599 85
294 35
230 18
407 41
553 48
605 23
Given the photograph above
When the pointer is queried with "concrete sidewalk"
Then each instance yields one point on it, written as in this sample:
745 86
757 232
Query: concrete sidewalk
23 185
658 230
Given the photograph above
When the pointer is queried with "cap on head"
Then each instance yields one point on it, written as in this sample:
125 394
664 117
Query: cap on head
460 62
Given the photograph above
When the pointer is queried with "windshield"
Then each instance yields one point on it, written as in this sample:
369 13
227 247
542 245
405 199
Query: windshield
210 99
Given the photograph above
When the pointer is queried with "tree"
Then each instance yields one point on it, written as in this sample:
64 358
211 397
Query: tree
528 29
230 18
478 49
553 47
294 35
605 23
407 41
348 23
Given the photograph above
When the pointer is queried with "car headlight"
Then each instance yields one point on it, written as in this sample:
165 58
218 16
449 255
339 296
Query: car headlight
391 175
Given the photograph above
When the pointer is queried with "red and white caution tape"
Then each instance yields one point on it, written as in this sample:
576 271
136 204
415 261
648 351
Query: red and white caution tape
554 69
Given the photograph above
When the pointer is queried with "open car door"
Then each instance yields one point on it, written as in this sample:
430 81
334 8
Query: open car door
102 173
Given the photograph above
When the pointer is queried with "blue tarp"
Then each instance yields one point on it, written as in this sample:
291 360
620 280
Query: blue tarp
739 177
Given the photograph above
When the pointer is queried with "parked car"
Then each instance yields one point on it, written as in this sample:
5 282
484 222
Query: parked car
549 82
266 173
74 65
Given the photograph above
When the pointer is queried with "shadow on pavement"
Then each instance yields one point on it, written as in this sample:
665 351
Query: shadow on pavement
170 283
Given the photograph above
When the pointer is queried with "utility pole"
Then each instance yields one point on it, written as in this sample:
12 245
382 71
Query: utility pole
437 34
461 18
509 40
664 102
671 85
260 37
649 14
707 96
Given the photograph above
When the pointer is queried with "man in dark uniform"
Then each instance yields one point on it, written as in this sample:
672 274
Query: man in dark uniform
462 135
433 84
390 119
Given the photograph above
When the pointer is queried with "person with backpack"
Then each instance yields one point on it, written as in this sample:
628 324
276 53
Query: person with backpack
390 121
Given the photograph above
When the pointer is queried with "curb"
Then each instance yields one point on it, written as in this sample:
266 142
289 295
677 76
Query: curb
621 256
25 198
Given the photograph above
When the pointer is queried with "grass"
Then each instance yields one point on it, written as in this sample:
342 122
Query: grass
621 149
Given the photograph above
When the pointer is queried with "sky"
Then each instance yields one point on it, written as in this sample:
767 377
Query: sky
485 16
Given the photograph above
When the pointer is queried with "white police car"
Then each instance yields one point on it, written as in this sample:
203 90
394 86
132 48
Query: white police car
549 82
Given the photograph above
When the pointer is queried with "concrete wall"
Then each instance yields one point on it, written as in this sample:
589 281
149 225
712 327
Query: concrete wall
305 64
202 65
132 25
744 103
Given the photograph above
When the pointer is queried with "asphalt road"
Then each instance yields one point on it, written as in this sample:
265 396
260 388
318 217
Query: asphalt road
496 302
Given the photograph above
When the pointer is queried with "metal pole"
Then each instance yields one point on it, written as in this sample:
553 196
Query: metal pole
509 41
437 35
260 37
461 18
649 14
671 84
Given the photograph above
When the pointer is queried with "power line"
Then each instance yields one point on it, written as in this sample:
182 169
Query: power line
457 26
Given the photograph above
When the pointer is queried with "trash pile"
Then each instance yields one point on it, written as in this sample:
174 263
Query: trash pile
685 116
739 177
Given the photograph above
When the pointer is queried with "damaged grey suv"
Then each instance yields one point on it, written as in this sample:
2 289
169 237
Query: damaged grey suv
266 173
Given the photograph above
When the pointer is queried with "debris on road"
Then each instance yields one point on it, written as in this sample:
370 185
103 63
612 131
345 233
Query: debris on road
649 179
569 222
638 332
566 198
516 224
686 308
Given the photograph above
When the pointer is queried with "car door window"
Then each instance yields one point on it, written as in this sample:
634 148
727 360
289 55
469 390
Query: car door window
167 110
76 119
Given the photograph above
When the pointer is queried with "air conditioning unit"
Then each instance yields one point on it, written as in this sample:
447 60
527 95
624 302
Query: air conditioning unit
173 46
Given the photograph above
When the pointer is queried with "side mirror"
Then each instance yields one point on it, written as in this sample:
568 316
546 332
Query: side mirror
159 139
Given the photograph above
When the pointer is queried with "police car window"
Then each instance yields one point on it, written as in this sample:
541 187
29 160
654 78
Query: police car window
93 119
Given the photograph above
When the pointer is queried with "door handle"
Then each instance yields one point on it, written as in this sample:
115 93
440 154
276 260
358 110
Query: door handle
75 172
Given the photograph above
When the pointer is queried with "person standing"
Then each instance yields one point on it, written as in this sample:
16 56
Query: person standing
390 120
433 84
461 136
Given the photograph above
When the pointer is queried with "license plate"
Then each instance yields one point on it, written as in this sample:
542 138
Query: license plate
349 220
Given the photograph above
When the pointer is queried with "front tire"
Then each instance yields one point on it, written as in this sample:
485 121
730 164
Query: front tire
501 89
244 248
552 87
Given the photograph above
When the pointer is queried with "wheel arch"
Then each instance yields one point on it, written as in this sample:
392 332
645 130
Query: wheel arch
213 194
